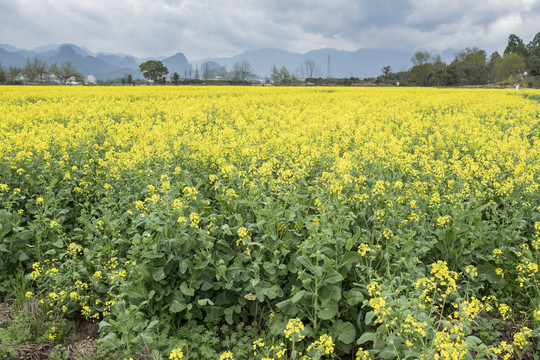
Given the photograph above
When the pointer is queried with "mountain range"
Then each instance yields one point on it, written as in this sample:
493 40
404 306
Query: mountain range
328 62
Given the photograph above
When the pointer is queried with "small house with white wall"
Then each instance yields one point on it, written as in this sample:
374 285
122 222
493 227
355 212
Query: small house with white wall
91 79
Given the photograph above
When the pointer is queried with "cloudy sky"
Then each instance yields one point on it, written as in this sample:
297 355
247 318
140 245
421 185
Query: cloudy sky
209 28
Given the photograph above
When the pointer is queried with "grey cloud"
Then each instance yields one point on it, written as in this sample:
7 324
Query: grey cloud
204 28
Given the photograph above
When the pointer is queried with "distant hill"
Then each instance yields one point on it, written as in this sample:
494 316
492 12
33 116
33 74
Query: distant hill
177 63
343 64
103 66
336 63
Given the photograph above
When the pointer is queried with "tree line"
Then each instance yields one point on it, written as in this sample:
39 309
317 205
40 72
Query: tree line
155 71
39 71
519 64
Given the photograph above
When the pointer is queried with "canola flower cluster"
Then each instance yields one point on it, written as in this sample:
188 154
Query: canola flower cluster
122 194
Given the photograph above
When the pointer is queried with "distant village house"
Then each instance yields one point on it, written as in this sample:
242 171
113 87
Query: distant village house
91 79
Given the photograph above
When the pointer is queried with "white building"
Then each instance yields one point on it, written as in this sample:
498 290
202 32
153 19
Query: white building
91 79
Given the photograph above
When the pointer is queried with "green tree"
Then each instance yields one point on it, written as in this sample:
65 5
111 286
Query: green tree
471 67
533 59
439 70
129 79
281 76
533 64
495 56
509 66
422 69
515 45
175 78
534 46
153 70
3 77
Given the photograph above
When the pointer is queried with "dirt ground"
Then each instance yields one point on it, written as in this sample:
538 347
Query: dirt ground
81 345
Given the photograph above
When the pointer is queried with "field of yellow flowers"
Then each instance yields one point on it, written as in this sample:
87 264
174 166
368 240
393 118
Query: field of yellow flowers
389 223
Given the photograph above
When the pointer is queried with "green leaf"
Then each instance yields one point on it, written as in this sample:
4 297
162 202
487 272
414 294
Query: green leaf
472 341
269 268
205 302
333 277
368 336
349 259
110 341
152 255
298 296
158 273
186 290
351 241
22 256
25 234
58 243
226 229
304 261
177 306
355 297
387 353
369 317
328 312
346 332
183 266
228 315
134 293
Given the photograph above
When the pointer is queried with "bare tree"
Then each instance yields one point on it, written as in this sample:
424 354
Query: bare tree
221 72
13 73
242 71
308 69
206 71
36 70
65 71
28 71
386 71
420 58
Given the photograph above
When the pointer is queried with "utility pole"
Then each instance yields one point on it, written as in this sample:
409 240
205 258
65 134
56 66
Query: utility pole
328 68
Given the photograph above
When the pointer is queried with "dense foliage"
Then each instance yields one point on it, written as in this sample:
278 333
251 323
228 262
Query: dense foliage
472 66
385 223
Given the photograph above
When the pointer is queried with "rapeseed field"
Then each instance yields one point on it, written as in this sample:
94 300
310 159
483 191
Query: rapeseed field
318 223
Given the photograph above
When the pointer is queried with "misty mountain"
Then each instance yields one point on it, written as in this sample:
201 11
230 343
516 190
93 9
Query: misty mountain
84 62
11 58
342 64
177 64
9 48
103 66
210 66
124 62
335 63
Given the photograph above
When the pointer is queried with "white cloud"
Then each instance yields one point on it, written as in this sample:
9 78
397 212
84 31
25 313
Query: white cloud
204 28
